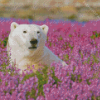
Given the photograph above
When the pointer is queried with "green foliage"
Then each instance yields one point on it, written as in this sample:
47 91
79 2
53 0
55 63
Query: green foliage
50 44
76 97
40 83
42 79
30 17
93 97
88 60
73 77
47 38
5 92
54 77
70 35
79 78
95 59
74 68
80 53
70 85
11 91
71 46
3 67
27 94
31 94
8 32
45 72
27 76
60 38
66 57
6 83
0 80
5 41
95 35
98 98
67 74
87 80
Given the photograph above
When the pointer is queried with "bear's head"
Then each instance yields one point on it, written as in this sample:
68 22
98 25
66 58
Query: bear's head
27 36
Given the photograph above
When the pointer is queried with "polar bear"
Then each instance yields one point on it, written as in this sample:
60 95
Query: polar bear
26 46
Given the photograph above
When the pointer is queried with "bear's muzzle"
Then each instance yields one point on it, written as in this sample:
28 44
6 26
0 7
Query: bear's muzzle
33 43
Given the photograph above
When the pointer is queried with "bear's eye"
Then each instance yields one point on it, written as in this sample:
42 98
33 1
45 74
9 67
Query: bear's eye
24 31
38 32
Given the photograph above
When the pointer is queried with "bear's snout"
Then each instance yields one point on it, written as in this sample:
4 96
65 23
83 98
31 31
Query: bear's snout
34 41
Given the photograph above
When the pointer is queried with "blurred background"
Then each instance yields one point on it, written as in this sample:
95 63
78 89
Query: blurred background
39 10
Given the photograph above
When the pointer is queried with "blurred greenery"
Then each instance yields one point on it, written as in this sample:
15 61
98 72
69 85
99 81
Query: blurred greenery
72 17
72 13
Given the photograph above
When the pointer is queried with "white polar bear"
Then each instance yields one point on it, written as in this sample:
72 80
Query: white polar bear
26 46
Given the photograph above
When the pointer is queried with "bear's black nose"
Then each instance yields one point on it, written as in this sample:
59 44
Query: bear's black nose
34 41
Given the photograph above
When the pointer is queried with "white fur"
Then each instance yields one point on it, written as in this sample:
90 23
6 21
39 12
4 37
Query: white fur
19 43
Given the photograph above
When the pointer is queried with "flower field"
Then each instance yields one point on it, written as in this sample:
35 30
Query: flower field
75 43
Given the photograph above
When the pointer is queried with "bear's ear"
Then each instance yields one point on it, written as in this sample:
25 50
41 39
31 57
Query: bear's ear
13 26
45 28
